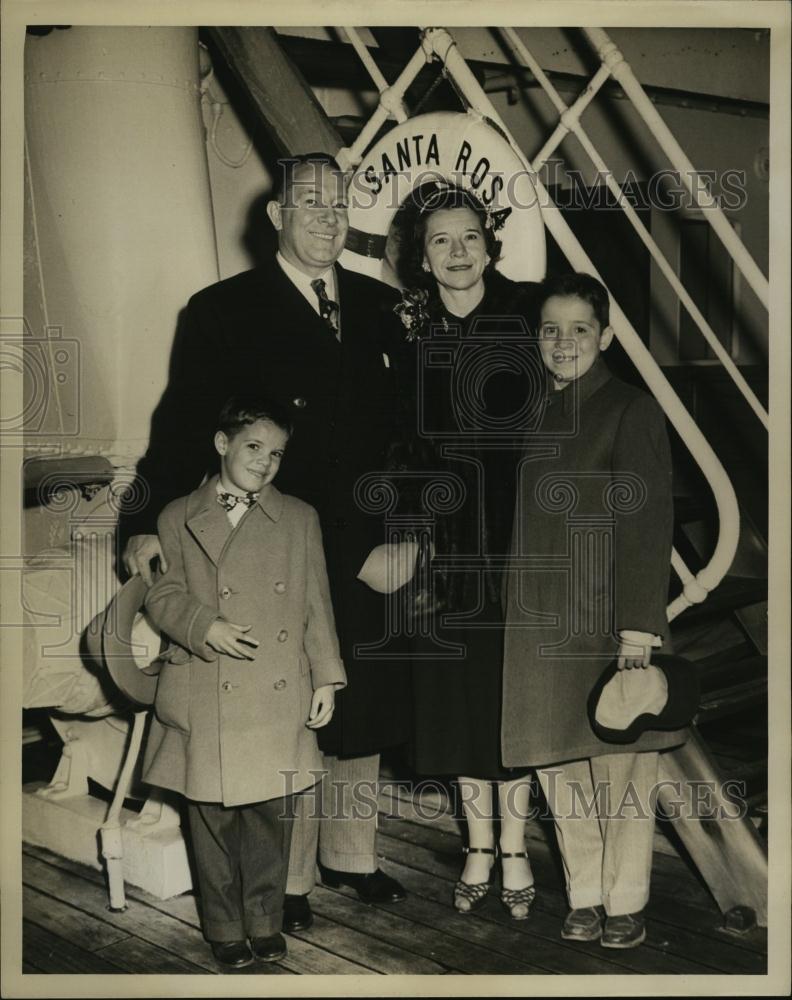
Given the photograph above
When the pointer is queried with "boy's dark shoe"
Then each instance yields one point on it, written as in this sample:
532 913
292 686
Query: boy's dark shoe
584 924
627 930
374 887
268 949
297 914
234 954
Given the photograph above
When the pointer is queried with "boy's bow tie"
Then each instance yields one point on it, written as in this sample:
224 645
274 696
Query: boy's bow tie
230 500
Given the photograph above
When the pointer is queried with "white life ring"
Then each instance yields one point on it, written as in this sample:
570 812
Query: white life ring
463 149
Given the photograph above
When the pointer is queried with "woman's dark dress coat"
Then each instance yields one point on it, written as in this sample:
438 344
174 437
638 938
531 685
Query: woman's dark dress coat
479 384
255 332
591 554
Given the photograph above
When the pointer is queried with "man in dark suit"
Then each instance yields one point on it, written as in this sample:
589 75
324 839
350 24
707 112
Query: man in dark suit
303 330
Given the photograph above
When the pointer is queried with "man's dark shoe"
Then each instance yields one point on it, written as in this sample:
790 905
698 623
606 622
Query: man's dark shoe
374 887
583 924
234 954
627 930
268 949
297 914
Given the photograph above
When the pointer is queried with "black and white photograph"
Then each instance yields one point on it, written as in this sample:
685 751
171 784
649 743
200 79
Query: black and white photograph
395 498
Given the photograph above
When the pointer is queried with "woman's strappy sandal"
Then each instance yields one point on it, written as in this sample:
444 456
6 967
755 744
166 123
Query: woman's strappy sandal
469 897
518 902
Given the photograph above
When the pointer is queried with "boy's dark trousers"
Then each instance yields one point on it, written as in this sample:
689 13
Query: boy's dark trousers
242 858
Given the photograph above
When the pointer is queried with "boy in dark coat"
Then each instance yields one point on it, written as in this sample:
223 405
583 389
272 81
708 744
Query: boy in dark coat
591 552
254 671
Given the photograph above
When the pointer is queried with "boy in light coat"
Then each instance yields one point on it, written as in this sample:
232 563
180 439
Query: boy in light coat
244 597
591 553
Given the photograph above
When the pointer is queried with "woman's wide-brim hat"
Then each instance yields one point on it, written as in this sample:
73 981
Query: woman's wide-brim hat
122 640
624 704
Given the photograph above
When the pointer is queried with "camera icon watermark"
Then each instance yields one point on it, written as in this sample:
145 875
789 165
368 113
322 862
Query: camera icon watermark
49 367
495 346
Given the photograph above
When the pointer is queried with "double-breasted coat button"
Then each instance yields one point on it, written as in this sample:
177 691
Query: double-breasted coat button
279 685
283 635
280 587
226 685
225 593
300 403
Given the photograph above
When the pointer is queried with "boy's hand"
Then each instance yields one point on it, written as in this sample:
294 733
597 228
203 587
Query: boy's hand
226 637
322 705
632 655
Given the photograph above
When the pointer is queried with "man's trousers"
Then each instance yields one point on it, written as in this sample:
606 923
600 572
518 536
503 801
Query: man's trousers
339 816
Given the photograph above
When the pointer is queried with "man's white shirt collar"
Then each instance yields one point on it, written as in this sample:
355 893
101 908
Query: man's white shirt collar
303 282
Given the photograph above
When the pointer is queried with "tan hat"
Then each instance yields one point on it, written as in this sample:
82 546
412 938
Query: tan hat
123 641
664 696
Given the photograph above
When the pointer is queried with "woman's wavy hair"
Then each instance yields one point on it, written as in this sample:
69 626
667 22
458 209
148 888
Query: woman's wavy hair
412 219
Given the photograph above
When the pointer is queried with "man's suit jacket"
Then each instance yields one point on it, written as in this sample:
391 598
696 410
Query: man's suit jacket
256 332
233 730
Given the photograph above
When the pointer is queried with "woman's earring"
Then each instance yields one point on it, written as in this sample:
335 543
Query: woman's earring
425 266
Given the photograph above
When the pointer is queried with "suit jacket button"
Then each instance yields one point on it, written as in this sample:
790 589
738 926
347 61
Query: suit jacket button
226 685
280 587
225 593
283 635
300 403
279 685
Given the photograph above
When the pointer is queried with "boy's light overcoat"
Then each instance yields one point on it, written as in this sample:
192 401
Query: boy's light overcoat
233 730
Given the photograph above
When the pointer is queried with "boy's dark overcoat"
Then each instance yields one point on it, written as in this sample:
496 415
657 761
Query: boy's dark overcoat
256 332
591 551
233 730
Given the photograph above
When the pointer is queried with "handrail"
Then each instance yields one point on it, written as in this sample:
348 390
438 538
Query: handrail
622 72
696 588
389 104
570 122
380 82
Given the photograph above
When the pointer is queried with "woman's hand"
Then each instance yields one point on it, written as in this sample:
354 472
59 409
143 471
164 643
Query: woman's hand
322 705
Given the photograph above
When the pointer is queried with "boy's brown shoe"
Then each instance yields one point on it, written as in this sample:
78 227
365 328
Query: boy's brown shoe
584 924
627 930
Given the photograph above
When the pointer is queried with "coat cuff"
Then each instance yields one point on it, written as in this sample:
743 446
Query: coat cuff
641 638
328 672
197 630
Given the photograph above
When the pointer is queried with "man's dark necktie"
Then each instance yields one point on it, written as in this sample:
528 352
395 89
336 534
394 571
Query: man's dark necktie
229 500
328 309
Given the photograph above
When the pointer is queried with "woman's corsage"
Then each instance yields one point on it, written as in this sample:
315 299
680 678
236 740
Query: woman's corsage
413 312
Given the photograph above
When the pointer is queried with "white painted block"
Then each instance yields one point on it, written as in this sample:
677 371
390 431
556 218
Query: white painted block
155 861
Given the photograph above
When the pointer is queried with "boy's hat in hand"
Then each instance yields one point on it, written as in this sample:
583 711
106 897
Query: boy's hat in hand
623 704
122 641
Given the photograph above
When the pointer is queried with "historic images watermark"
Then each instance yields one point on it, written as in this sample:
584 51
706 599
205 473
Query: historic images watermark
387 185
428 800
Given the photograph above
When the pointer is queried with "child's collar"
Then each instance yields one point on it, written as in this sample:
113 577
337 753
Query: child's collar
580 389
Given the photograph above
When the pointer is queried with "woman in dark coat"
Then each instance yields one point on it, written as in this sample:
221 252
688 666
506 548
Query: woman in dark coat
476 381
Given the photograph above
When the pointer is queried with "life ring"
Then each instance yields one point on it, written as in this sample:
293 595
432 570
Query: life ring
464 149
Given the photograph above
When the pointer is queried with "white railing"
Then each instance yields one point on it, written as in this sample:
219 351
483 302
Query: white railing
438 43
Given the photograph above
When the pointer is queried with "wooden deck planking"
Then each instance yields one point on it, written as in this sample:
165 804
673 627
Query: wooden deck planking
68 927
711 952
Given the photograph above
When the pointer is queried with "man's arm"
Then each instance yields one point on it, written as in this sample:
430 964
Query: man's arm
180 448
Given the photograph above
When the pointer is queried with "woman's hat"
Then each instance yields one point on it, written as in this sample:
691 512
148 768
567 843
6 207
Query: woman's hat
625 703
123 641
